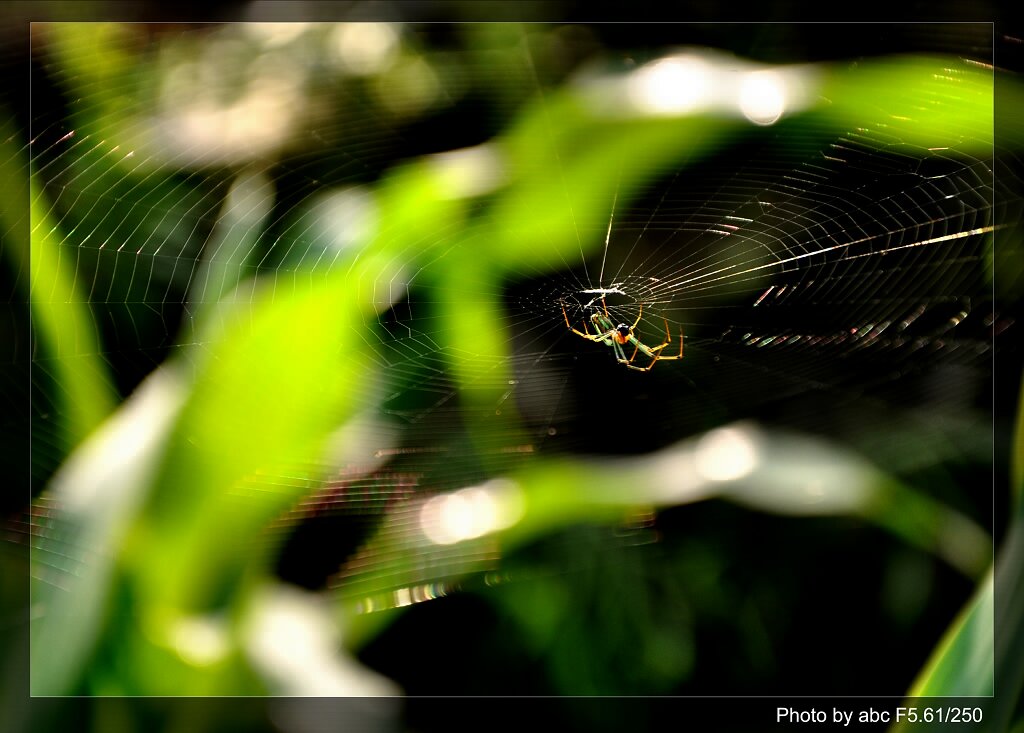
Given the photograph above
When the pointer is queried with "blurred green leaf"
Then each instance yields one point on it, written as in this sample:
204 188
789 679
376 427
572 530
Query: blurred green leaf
961 665
282 372
930 102
967 659
62 324
94 496
562 191
1009 631
788 474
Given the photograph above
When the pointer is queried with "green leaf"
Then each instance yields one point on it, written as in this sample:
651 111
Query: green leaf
62 325
966 659
961 664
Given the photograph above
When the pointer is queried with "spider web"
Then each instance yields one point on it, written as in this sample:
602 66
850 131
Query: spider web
819 280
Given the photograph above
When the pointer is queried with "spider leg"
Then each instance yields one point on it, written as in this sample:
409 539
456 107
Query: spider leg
566 317
668 340
655 351
620 355
658 357
641 369
589 336
639 348
655 358
639 316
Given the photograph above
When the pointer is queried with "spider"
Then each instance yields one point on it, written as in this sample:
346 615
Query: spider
617 335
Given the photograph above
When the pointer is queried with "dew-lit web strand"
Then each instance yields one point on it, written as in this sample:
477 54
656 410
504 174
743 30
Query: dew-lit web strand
765 229
193 260
208 253
643 231
607 238
126 238
86 190
698 211
643 265
889 232
89 190
933 240
847 277
708 291
528 54
806 213
672 285
100 197
796 194
166 213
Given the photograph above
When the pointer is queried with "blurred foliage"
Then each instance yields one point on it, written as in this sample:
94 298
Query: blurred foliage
963 659
171 501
